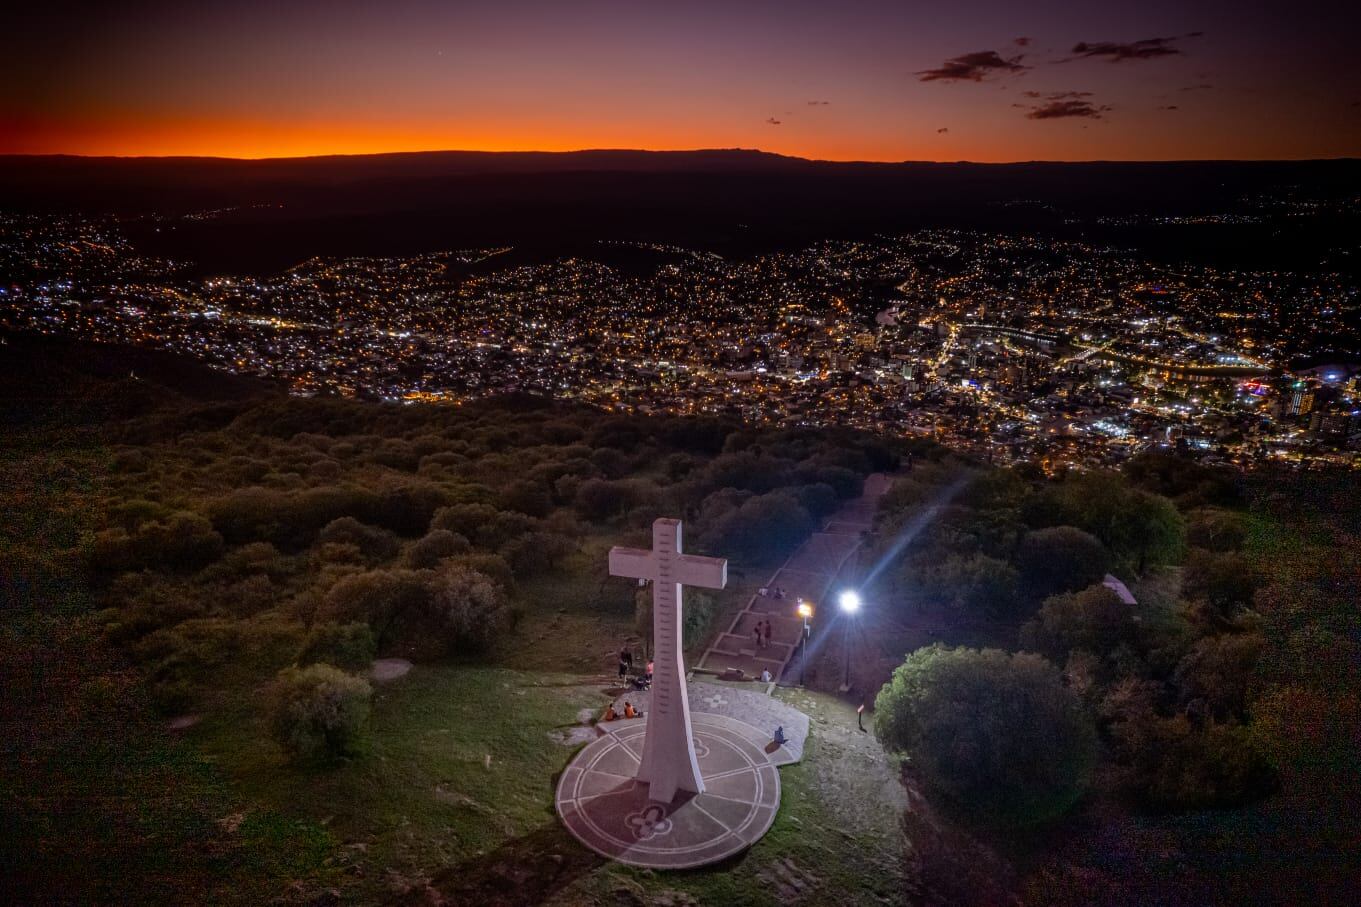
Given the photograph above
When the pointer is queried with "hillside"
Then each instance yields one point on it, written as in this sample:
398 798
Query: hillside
184 550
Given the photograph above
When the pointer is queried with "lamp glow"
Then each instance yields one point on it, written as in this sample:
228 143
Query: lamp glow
849 601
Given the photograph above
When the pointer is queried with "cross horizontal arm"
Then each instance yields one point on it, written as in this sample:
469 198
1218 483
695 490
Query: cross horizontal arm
637 563
707 572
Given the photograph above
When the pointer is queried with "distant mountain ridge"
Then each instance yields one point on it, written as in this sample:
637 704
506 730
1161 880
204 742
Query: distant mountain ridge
105 181
272 213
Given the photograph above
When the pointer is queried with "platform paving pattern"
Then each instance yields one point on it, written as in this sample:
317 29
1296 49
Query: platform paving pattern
753 707
608 811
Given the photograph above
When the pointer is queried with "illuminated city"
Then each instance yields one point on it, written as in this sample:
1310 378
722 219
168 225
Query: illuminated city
1008 347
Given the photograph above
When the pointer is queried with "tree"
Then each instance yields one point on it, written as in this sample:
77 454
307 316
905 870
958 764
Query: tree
1138 527
997 735
761 528
976 584
318 711
1148 530
1190 483
1093 620
1225 582
1061 559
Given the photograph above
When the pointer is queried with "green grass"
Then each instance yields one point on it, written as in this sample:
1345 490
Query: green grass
458 759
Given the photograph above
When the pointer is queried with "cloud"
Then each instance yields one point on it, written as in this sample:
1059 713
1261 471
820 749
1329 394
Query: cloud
1202 87
1117 52
819 103
942 130
1021 41
1056 95
774 122
1169 107
1064 105
972 67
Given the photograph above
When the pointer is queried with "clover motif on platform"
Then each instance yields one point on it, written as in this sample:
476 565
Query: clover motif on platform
714 700
701 748
650 823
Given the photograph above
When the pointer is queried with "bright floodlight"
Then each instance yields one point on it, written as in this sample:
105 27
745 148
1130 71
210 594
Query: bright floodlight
805 609
849 601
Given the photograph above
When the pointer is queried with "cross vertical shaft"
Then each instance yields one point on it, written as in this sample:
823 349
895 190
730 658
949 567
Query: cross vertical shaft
668 763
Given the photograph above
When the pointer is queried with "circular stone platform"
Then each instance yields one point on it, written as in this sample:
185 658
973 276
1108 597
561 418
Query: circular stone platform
609 812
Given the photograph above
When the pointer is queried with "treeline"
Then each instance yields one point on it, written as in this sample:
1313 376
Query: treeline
1238 668
236 540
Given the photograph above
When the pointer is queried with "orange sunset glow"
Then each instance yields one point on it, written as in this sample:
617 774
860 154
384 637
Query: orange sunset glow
864 81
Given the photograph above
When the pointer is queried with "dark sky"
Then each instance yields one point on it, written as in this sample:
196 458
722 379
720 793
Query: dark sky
855 79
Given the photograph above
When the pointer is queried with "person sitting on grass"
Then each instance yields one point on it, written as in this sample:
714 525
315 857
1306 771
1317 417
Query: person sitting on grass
610 713
630 711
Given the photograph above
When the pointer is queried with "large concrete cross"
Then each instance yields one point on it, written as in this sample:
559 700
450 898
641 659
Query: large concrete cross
669 762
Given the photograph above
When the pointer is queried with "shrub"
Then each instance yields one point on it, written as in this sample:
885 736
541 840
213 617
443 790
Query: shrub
350 646
318 711
483 524
427 552
490 565
697 616
181 542
528 496
599 499
384 599
1174 763
407 509
376 544
1216 530
997 735
537 552
468 608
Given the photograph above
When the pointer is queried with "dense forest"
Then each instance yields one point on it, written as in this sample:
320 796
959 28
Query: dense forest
204 554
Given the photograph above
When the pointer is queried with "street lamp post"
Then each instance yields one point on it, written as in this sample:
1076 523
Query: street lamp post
805 610
850 606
